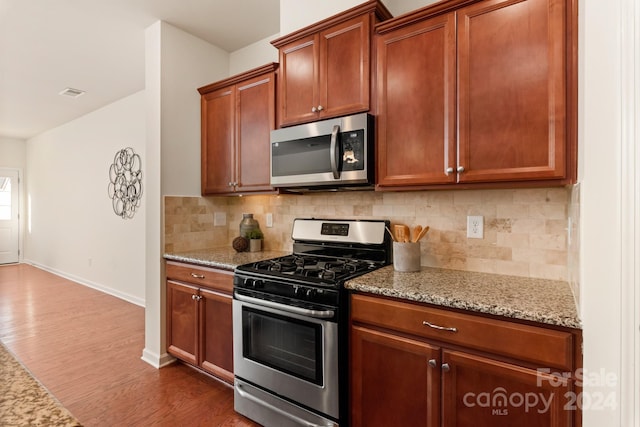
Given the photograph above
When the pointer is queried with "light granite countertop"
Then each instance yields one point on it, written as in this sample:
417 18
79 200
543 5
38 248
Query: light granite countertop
225 258
539 300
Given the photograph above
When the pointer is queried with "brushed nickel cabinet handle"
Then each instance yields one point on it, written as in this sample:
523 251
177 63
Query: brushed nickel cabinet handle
314 110
433 363
197 276
445 367
320 108
440 328
448 170
460 169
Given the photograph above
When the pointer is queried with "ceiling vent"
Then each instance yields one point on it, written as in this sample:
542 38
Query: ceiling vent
72 93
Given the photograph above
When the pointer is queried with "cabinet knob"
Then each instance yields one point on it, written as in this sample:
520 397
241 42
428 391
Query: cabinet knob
314 110
445 367
433 363
320 108
230 184
197 276
460 169
194 297
448 170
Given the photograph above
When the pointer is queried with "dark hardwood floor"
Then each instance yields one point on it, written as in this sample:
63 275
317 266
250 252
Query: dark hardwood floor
85 347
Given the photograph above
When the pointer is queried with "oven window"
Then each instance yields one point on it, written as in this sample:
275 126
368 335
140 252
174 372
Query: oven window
288 345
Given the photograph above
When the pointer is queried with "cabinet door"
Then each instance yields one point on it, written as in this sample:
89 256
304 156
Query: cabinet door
392 381
482 392
416 103
298 77
218 118
345 68
182 321
255 120
512 90
216 334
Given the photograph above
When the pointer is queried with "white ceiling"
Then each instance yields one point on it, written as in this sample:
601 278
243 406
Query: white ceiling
98 46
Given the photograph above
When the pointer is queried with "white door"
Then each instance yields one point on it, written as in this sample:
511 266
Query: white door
9 222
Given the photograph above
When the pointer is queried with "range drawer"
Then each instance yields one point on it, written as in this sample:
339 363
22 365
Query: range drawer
541 346
203 276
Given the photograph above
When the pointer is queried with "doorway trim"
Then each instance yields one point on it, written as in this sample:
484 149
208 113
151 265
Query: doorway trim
21 200
630 213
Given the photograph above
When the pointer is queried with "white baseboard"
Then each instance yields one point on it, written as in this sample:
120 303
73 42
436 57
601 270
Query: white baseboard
107 290
156 360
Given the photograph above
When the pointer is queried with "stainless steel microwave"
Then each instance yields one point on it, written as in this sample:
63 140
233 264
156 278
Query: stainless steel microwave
332 153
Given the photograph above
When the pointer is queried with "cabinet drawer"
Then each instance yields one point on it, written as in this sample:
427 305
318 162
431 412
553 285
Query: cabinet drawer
211 278
541 346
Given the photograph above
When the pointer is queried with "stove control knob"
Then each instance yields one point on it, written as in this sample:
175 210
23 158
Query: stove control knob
253 283
310 293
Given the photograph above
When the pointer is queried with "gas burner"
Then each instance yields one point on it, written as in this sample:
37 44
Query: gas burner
311 266
326 253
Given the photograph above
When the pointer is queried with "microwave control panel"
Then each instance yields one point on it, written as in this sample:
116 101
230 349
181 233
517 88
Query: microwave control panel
353 150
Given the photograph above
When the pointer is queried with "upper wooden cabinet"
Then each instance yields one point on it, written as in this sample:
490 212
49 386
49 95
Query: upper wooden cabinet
237 115
325 69
480 94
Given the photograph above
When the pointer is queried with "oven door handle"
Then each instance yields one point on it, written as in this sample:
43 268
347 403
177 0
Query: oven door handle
318 314
261 402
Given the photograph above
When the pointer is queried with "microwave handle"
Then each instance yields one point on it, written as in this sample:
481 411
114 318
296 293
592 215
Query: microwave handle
332 151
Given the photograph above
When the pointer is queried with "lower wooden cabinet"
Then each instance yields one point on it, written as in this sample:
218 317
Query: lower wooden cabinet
480 391
403 374
199 328
392 382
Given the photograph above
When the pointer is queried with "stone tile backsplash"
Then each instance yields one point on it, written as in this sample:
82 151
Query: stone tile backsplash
525 230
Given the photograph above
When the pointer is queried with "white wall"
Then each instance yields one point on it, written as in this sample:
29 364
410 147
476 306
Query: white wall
296 14
187 63
608 262
253 56
71 226
13 153
176 64
399 7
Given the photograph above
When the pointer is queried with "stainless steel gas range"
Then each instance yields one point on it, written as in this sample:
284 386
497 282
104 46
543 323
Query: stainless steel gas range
290 321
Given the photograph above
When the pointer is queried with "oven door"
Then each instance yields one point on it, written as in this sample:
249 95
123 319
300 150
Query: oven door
289 351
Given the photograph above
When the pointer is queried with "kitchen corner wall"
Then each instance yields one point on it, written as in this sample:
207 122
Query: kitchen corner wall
525 230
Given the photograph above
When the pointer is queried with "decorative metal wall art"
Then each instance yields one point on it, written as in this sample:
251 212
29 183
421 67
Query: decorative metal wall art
125 183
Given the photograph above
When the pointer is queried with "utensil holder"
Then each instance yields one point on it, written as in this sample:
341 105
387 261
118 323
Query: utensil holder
406 256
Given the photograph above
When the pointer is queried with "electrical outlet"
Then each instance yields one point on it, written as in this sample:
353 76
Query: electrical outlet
269 220
475 227
219 219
